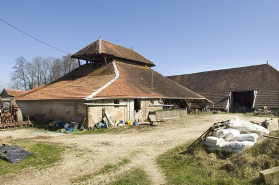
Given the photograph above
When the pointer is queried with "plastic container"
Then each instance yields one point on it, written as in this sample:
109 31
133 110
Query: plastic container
69 128
104 125
130 123
135 123
74 125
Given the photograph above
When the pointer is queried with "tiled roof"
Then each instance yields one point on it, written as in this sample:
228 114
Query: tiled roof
220 100
11 92
263 78
139 81
91 53
77 84
134 81
269 98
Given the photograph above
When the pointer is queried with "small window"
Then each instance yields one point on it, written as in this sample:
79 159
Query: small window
151 102
116 102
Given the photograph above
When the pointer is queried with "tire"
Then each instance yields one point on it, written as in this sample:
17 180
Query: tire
19 115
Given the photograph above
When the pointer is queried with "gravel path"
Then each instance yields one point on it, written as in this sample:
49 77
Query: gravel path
90 153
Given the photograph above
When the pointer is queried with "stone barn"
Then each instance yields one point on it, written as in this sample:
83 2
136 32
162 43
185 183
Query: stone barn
115 79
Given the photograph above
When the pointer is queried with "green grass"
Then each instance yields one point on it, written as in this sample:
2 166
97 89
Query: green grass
252 114
199 167
188 169
104 170
134 177
44 155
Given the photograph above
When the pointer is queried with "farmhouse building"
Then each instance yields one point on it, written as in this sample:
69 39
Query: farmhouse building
237 89
115 79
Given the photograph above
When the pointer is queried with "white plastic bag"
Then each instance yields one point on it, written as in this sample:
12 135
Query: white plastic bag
206 143
246 126
247 137
213 139
239 144
232 134
222 132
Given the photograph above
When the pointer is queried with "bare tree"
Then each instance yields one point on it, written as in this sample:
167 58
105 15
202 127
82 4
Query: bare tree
40 71
68 64
56 69
4 85
37 66
16 84
19 74
46 70
31 75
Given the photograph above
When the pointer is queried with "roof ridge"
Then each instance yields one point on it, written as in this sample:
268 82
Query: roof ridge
15 90
221 70
126 48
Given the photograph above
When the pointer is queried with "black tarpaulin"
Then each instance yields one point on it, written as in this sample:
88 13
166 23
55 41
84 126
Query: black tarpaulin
14 153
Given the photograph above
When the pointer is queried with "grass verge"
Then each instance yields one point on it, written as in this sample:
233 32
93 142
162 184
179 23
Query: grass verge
44 155
137 176
252 114
199 167
104 170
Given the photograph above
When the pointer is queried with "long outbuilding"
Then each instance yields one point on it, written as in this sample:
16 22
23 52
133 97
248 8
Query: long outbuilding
237 89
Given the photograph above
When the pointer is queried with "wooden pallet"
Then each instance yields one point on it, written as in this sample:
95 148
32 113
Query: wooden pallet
208 132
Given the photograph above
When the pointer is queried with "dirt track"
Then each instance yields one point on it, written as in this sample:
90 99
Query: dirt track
90 153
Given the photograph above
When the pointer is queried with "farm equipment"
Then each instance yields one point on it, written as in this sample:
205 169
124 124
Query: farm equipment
11 115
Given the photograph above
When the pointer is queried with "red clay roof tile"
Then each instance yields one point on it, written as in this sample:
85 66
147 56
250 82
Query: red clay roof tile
139 81
110 49
134 81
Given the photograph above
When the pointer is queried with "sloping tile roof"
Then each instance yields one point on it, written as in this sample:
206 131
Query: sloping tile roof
215 83
11 92
90 52
269 98
136 81
77 84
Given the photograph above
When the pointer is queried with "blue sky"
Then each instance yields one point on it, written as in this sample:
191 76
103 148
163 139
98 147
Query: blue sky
179 36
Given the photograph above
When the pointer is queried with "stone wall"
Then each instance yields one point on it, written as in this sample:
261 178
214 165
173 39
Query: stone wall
123 112
169 114
51 109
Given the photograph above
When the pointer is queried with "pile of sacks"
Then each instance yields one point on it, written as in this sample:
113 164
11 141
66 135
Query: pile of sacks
236 136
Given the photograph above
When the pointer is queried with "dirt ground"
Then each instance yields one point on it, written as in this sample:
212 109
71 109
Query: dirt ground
90 153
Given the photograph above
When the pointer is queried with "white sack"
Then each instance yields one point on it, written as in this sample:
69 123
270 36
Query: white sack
239 144
247 137
213 139
246 126
232 134
222 132
212 144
